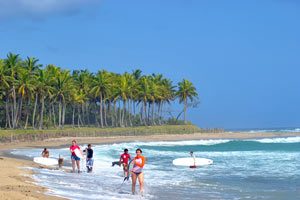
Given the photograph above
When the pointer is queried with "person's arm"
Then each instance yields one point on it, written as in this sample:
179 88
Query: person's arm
121 159
140 164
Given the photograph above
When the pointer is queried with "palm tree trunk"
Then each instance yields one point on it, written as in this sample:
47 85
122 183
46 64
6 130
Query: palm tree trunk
101 115
27 114
105 115
14 108
141 116
129 113
53 112
123 111
120 114
59 113
114 115
83 113
42 113
63 113
148 118
153 106
19 111
88 113
78 117
34 110
73 117
145 112
185 107
7 113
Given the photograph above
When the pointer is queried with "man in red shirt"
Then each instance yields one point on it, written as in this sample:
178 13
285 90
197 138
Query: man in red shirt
124 158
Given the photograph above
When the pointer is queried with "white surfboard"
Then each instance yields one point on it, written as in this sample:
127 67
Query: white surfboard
190 162
45 161
78 153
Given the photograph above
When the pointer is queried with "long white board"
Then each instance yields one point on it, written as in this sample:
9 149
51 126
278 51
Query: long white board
45 161
78 153
191 162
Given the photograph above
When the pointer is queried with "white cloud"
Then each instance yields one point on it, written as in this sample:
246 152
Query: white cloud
41 8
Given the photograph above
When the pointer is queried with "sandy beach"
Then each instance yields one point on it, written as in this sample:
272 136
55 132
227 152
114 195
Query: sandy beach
15 181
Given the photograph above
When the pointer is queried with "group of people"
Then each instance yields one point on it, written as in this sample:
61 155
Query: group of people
125 159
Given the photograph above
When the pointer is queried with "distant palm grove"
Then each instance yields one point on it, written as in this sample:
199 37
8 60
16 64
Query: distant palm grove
39 97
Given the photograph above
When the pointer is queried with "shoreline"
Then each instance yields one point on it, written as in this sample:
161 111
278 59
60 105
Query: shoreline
16 183
66 141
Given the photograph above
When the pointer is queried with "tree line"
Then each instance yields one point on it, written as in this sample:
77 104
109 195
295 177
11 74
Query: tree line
38 97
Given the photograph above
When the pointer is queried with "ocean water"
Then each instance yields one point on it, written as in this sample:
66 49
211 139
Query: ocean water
242 169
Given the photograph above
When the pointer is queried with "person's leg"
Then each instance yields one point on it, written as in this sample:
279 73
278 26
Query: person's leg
141 182
133 178
125 169
73 164
78 165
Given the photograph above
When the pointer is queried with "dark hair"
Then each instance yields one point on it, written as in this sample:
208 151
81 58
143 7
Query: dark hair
89 145
125 150
139 150
45 149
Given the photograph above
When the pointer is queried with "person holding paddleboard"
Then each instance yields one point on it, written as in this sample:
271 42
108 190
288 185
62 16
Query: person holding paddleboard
89 158
194 158
45 153
137 171
124 158
74 157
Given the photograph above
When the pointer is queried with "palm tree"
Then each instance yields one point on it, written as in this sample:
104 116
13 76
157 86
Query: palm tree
63 86
12 62
5 80
143 95
25 88
186 91
100 89
43 90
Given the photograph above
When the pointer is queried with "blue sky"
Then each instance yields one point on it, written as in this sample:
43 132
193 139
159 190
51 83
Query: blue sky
242 56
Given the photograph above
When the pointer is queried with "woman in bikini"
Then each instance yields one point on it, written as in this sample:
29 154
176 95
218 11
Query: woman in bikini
137 171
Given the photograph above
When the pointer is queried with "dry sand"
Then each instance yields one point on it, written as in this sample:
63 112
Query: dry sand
15 181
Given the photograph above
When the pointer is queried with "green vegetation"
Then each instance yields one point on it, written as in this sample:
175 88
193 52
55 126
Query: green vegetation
49 97
35 135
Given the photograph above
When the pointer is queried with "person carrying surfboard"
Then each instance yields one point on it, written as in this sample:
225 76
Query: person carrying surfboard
194 158
89 158
124 158
75 159
137 171
45 153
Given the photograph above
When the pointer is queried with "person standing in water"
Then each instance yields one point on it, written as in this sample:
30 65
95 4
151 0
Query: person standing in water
89 158
124 158
194 158
75 159
137 171
45 153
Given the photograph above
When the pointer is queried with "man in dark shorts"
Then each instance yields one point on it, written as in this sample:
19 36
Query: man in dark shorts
124 158
89 158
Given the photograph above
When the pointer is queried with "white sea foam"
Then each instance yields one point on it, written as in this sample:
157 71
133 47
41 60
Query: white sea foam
279 140
293 130
183 143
